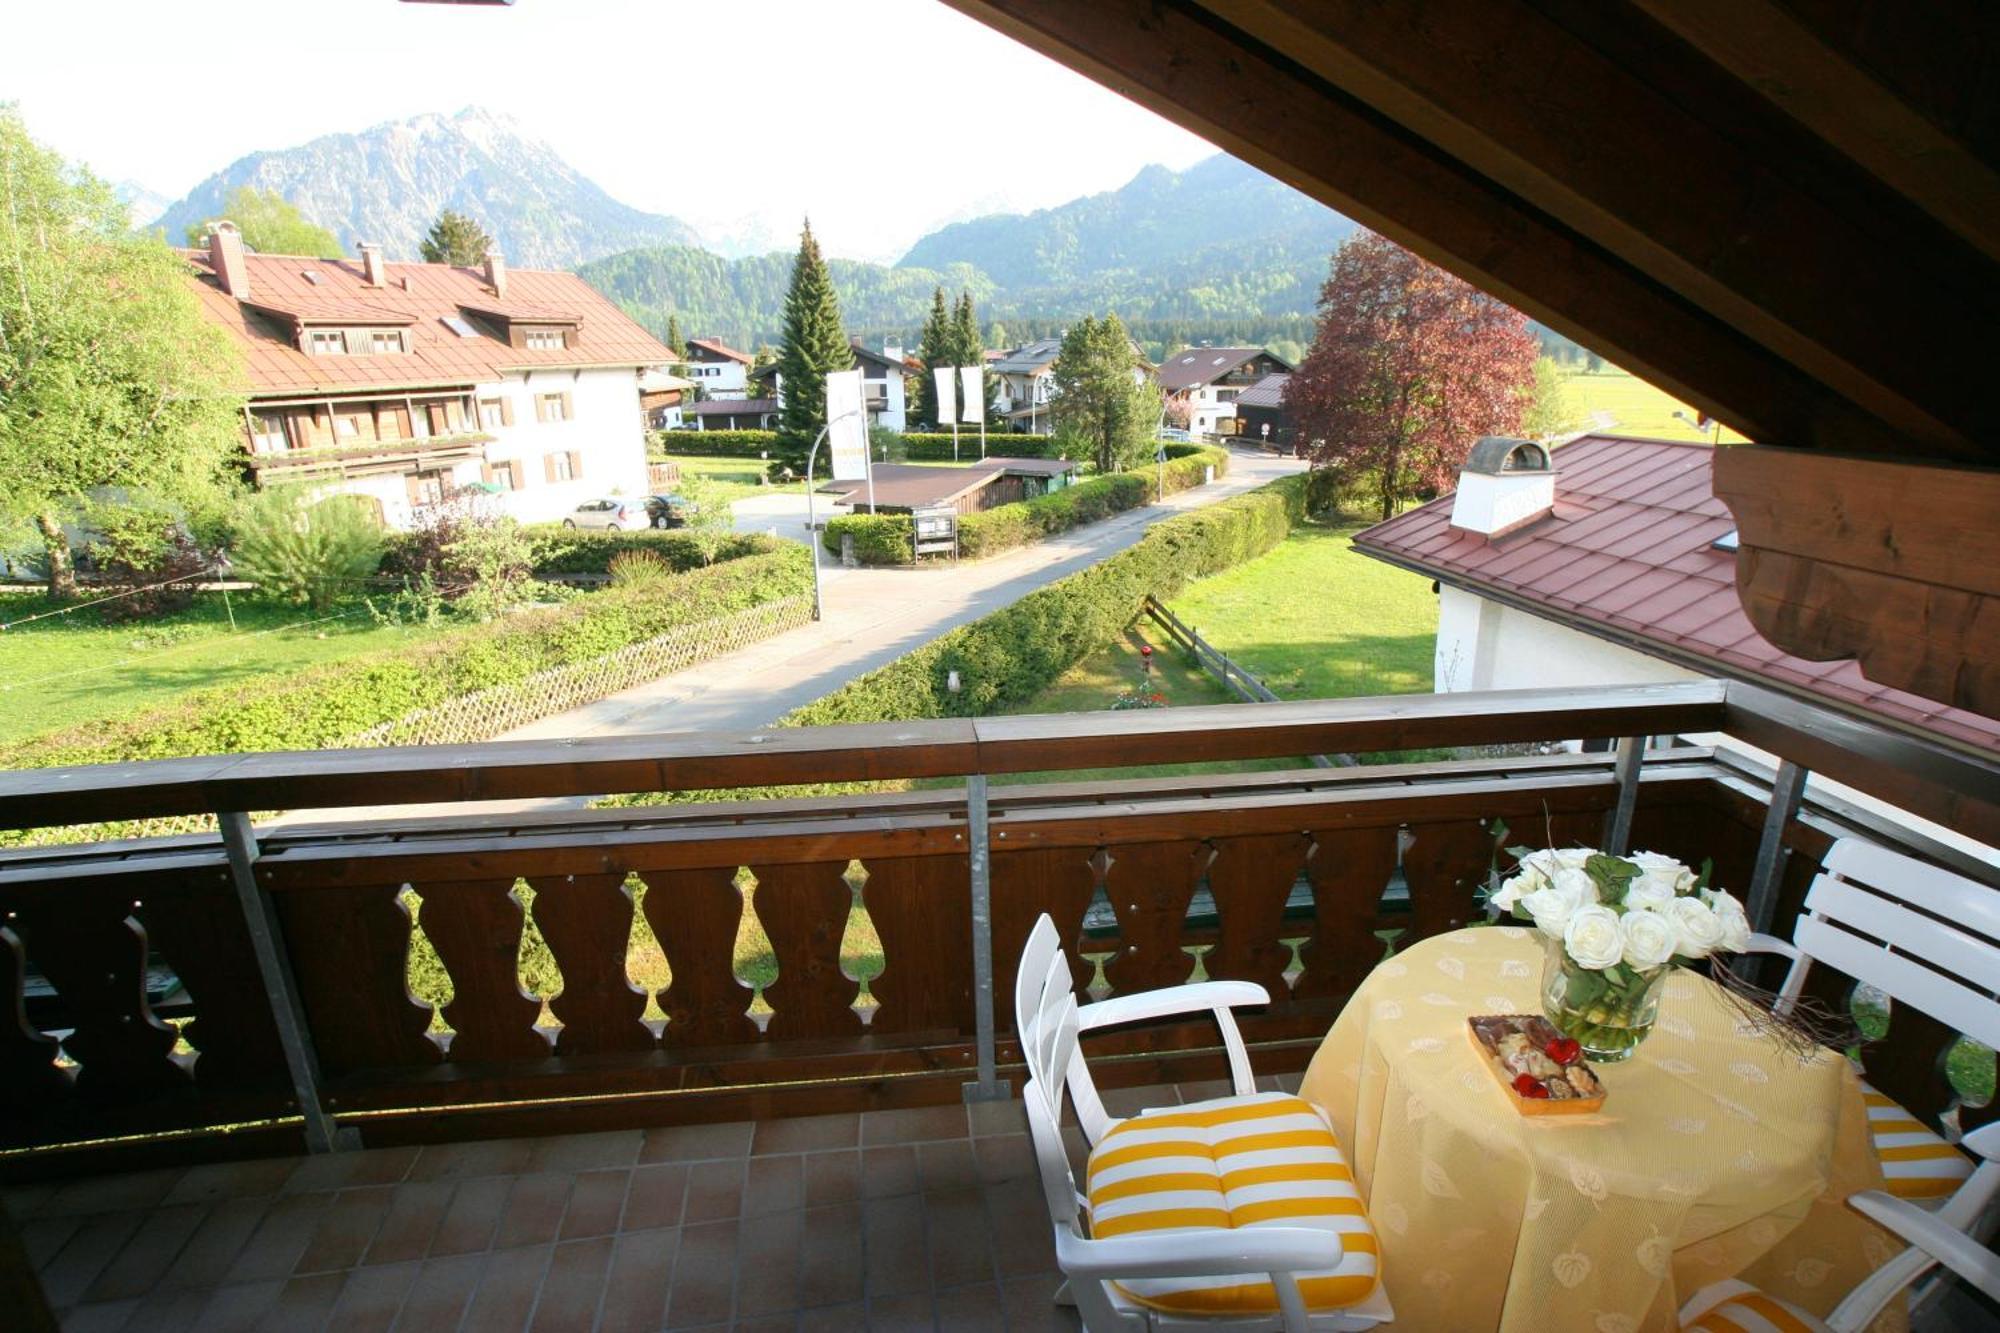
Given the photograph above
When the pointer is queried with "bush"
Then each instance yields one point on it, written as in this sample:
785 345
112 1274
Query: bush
490 560
310 552
913 446
329 704
574 551
879 539
639 569
1013 654
714 443
149 553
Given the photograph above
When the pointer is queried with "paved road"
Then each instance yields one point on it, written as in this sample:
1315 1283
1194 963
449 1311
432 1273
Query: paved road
871 617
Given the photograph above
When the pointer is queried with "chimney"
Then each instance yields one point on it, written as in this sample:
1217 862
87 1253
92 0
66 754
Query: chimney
496 273
1504 484
371 265
225 256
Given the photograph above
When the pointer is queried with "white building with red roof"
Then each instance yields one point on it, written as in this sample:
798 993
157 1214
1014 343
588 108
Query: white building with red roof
406 383
719 370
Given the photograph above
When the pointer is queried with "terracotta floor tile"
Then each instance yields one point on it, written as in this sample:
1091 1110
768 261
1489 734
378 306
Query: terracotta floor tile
767 1263
1122 1102
1005 1157
346 1230
834 1318
416 1210
506 1295
168 1311
437 1299
351 1170
774 1185
770 1323
1030 1305
87 1253
212 1181
947 1164
901 1314
238 1309
586 1152
280 1238
535 1209
961 1244
472 1216
635 1288
655 1196
1008 1117
830 1255
832 1177
24 1201
596 1204
103 1194
914 1125
372 1298
103 1317
715 1191
893 1234
573 1287
1023 1242
461 1161
814 1133
42 1237
972 1309
695 1143
303 1303
704 1289
887 1172
216 1244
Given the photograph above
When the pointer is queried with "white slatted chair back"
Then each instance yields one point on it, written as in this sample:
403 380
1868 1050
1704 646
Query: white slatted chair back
1045 943
1048 1044
1928 937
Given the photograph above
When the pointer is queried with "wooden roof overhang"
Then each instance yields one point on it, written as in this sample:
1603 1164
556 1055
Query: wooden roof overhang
1787 215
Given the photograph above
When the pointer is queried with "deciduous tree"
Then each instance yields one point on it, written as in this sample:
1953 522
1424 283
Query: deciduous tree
1552 406
456 239
109 375
1098 400
1409 367
270 225
814 344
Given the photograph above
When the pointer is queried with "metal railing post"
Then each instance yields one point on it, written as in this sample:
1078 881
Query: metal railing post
1618 825
989 1087
1787 789
240 843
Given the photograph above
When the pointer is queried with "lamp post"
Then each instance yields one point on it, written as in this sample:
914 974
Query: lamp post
812 524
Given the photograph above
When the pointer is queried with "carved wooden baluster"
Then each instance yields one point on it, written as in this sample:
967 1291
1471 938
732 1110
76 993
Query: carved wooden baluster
350 955
476 925
695 915
30 1082
1348 869
1250 880
94 952
587 920
1446 866
922 909
804 909
1150 885
193 919
1058 881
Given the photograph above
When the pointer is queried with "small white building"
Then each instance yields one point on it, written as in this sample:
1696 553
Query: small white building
1208 380
1026 383
883 386
717 369
409 383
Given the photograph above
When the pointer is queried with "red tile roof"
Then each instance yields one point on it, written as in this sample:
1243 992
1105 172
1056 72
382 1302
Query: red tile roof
1195 366
721 348
1627 554
915 485
418 297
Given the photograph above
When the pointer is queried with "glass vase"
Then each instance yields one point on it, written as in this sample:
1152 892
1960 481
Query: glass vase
1609 1012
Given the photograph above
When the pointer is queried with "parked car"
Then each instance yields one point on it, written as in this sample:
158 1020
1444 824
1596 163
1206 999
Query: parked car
670 511
611 512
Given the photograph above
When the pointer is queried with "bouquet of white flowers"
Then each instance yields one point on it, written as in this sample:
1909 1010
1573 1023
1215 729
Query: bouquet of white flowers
1614 926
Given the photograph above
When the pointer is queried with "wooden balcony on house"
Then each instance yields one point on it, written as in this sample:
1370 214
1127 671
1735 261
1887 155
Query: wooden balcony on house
174 1003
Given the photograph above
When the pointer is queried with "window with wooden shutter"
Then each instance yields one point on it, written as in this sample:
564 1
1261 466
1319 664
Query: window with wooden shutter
506 411
515 478
568 407
549 467
575 462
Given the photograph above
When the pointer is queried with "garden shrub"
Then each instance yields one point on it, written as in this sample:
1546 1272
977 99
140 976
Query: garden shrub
558 550
637 569
151 554
311 552
913 446
879 539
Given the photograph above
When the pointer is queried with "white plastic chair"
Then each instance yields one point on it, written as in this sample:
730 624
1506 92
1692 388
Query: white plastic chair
1930 939
1116 1280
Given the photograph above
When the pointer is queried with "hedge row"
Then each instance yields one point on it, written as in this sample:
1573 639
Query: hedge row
325 705
887 539
559 550
913 446
1016 652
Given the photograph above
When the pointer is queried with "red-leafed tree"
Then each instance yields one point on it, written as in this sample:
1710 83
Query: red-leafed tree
1408 368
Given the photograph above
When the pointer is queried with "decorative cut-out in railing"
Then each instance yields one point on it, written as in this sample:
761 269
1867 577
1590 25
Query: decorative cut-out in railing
586 921
920 910
804 910
698 917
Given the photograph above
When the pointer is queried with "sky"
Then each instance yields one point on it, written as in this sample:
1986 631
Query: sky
882 119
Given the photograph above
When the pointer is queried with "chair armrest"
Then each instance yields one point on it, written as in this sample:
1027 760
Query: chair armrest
1199 1253
1762 943
1985 1141
1950 1246
1168 1001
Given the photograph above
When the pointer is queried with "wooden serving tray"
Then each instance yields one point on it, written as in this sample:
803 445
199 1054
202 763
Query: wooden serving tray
1487 1031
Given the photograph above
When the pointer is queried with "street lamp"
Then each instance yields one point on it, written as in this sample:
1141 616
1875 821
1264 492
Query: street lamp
812 526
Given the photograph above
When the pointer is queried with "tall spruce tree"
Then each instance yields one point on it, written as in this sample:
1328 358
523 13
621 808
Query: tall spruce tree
967 347
674 343
457 240
935 350
814 343
1099 403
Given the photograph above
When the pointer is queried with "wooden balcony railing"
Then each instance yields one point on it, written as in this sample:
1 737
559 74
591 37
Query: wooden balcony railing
250 993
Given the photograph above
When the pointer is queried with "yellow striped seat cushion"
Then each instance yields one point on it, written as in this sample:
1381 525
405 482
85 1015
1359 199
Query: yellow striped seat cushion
1751 1311
1916 1163
1263 1160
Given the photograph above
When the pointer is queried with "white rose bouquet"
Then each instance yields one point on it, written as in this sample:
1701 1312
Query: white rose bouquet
1614 926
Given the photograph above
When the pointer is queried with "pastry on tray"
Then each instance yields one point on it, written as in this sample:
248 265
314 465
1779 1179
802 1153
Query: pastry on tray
1542 1071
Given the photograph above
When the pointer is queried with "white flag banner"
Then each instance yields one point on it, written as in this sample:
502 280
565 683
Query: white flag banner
847 426
947 410
972 397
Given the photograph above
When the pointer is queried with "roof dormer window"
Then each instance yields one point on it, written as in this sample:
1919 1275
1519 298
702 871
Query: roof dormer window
543 340
328 342
382 342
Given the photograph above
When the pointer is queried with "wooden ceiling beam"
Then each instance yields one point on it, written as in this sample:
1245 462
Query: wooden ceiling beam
1190 67
1769 48
1642 145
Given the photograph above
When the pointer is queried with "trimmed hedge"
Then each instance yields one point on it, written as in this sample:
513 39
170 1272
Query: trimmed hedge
714 443
1016 652
559 550
325 705
886 539
915 446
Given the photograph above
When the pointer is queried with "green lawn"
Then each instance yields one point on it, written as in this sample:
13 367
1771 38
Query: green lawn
76 668
733 478
1635 407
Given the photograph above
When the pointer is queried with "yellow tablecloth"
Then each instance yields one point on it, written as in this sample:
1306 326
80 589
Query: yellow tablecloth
1717 1154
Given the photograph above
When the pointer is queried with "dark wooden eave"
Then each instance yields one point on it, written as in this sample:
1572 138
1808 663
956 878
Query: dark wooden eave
1783 213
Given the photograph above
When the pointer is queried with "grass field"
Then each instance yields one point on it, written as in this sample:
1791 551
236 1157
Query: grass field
1634 406
75 668
736 479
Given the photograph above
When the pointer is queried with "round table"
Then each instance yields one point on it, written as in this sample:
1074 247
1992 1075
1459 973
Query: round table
1717 1154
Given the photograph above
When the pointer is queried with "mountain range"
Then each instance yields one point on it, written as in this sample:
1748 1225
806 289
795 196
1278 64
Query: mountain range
387 184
